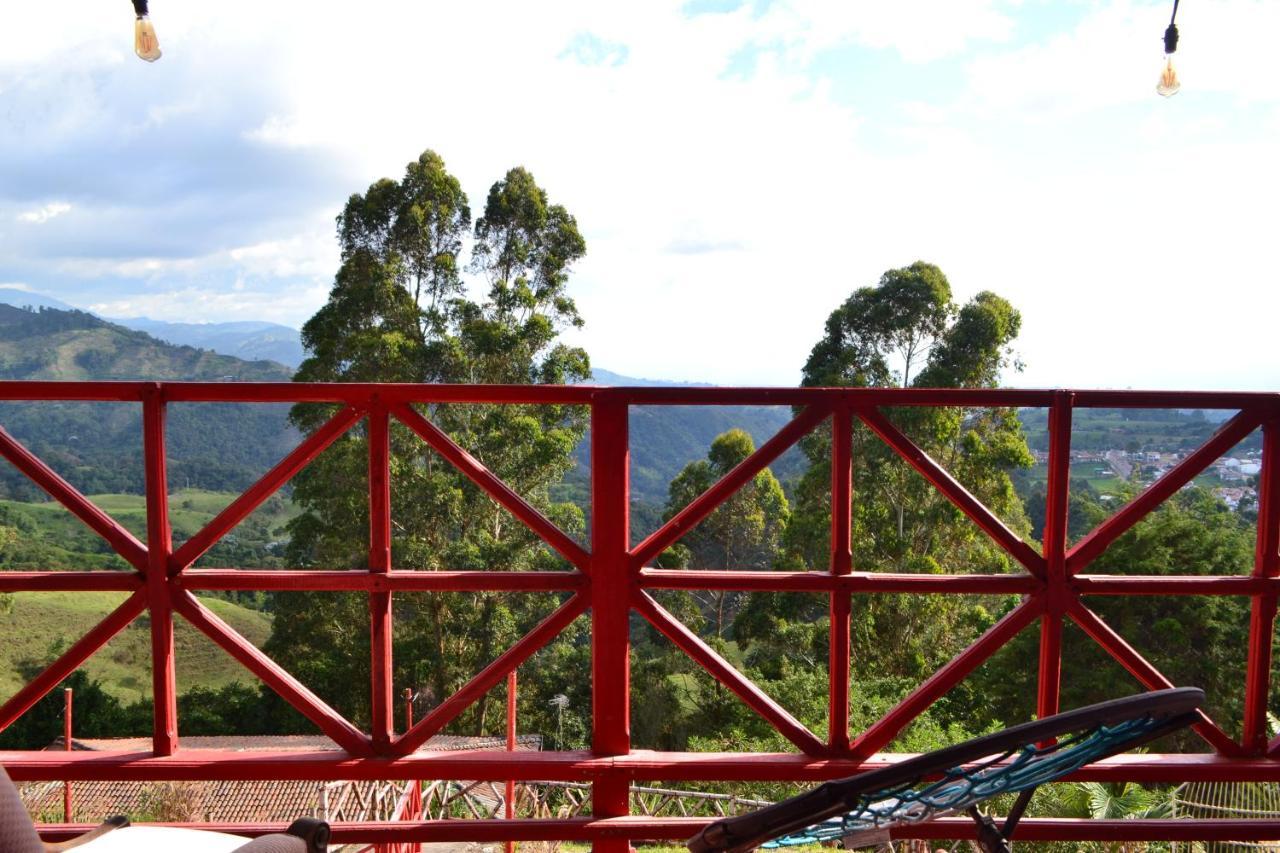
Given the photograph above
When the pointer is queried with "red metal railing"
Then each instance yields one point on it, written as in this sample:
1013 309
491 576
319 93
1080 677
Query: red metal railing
614 577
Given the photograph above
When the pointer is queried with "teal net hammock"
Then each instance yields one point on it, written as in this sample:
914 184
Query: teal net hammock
959 788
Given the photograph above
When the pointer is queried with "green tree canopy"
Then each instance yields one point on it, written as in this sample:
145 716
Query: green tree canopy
742 533
399 312
905 330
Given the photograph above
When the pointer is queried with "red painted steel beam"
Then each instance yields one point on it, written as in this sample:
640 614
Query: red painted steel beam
319 765
966 397
1089 829
1055 556
69 660
267 485
360 393
121 540
1174 585
70 581
679 828
854 583
612 584
164 732
742 473
544 527
88 392
359 581
1227 436
840 643
1147 675
382 689
569 766
990 524
357 393
329 721
448 831
883 731
746 690
1262 615
491 675
1264 401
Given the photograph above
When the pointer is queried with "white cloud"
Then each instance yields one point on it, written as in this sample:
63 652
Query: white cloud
727 213
44 214
918 30
198 304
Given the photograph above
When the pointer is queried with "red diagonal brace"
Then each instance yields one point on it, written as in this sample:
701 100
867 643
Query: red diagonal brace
333 724
956 670
81 651
487 678
954 491
706 503
706 657
1150 677
270 482
121 540
494 487
1227 437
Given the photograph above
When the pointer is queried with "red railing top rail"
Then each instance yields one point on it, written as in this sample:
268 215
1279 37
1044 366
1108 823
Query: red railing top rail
392 394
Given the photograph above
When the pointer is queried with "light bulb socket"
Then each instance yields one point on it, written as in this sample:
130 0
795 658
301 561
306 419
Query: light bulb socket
140 8
1170 36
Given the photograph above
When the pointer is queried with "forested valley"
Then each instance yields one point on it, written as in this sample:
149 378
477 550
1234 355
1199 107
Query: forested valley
401 310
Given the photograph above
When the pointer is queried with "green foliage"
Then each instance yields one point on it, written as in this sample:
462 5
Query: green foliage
1191 533
398 312
97 714
742 533
1112 801
906 330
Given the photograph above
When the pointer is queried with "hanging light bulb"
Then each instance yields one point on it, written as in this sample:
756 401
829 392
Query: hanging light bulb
145 43
1169 84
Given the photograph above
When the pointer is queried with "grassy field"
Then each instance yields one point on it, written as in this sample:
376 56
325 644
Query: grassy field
1100 477
65 542
41 624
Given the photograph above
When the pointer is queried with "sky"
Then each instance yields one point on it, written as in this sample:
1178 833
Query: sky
737 168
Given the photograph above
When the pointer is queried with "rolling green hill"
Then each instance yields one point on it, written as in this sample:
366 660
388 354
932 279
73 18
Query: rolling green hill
50 537
98 446
74 345
40 625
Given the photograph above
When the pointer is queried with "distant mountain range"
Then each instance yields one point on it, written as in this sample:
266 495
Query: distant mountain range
97 446
47 339
250 340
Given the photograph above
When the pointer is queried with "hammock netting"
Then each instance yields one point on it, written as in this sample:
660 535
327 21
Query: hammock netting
962 787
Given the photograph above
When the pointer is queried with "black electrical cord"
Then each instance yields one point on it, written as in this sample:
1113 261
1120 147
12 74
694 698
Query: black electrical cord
1170 34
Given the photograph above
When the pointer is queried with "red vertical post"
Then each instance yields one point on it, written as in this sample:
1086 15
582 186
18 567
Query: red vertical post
510 806
164 731
381 701
840 650
66 745
1055 554
413 808
1262 617
611 589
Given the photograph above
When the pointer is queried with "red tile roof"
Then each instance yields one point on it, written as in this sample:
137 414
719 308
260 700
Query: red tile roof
231 801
